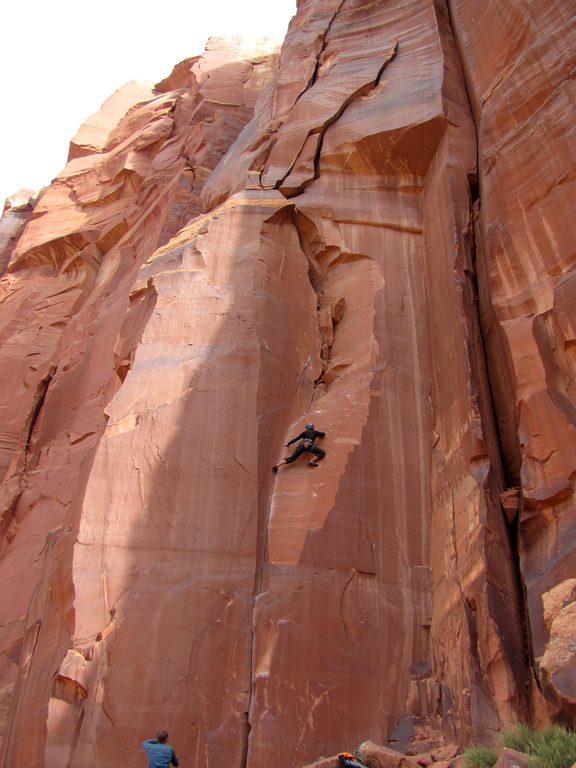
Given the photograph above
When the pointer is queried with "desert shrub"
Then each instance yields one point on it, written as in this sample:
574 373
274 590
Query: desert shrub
480 756
554 748
521 738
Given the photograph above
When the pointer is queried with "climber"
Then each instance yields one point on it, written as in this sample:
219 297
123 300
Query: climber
306 445
160 754
348 760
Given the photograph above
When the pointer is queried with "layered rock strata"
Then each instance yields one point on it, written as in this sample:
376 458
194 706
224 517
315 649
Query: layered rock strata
369 243
70 328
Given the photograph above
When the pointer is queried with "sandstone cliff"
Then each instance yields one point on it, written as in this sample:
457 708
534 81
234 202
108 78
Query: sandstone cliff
371 231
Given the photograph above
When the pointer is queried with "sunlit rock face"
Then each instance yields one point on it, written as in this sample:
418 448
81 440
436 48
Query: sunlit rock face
16 214
359 232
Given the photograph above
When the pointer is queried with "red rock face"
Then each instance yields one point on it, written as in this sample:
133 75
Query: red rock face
362 235
520 95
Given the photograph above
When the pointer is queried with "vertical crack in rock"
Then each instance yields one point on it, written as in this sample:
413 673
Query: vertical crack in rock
498 412
39 399
246 728
323 44
328 314
502 405
511 498
324 312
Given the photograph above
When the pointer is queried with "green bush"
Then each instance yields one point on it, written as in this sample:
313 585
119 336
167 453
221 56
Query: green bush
480 756
554 748
521 738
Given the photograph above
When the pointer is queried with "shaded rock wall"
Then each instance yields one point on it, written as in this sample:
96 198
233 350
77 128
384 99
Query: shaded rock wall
359 234
521 95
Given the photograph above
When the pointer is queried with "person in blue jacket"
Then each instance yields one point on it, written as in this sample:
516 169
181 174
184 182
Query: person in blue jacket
306 445
160 754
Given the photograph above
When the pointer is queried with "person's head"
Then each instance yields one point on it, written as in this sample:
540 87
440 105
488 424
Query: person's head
309 426
162 737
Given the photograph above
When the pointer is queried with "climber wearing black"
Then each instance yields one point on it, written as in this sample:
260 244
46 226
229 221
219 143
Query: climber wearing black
306 445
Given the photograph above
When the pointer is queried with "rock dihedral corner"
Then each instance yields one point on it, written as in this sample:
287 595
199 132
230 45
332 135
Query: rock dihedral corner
170 319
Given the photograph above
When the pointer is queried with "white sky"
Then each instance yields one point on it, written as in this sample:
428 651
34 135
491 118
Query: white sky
61 59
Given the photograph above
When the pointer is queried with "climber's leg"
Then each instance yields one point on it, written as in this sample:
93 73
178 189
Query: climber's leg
298 451
318 453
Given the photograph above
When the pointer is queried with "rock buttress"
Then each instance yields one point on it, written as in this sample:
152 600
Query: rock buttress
521 92
385 213
359 267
